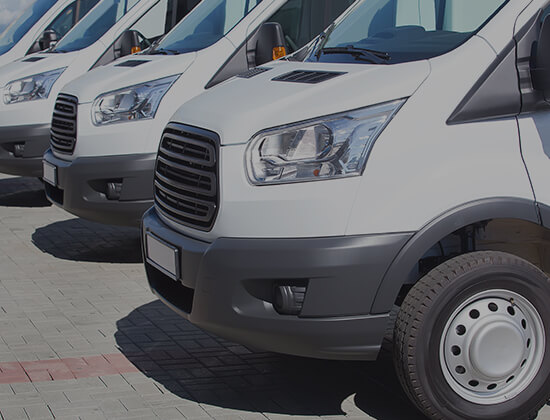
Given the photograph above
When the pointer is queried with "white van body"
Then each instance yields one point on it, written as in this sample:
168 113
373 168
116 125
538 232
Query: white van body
25 45
399 169
107 176
26 124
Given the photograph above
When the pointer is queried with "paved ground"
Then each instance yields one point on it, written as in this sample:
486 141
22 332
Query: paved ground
81 336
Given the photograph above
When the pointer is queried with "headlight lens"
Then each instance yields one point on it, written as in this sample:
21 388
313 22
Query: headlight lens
137 102
31 88
332 147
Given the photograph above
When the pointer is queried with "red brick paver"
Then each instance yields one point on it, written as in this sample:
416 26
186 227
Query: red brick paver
60 369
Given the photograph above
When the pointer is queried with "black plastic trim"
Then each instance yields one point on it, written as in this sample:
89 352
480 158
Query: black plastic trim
308 76
80 187
230 282
477 211
36 139
495 95
132 63
544 214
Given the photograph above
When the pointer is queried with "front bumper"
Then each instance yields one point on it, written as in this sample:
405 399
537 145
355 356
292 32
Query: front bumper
226 287
22 147
82 187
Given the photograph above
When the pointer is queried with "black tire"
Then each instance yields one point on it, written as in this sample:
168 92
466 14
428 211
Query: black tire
422 319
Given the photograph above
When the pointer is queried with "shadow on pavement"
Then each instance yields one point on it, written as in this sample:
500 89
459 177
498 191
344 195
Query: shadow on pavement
203 368
22 192
81 240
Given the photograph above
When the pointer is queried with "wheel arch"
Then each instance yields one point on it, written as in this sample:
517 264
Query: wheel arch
402 268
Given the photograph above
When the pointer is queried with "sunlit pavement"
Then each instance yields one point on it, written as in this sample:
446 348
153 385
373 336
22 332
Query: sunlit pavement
81 336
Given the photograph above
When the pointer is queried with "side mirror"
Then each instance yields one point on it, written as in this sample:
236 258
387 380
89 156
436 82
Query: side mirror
48 39
127 43
540 59
270 44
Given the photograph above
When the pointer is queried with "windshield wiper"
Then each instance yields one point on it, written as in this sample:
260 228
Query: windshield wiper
164 51
373 56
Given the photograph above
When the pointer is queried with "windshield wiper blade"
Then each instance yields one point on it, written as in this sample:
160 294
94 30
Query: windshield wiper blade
376 57
164 51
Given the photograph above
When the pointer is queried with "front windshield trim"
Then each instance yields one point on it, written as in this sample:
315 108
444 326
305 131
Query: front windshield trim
316 52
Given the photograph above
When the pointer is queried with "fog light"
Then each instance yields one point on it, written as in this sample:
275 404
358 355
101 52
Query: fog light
114 190
18 149
289 300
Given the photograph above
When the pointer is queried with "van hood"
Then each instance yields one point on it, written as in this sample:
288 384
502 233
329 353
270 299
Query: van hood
127 71
256 100
35 64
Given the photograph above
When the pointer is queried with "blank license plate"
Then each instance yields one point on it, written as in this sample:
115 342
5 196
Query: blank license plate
163 256
50 173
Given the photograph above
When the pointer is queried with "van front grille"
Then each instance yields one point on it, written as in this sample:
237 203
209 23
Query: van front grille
186 176
63 130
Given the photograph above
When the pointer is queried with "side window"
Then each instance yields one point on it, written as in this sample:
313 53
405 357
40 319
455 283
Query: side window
177 10
465 15
417 13
85 6
290 16
303 20
64 21
152 25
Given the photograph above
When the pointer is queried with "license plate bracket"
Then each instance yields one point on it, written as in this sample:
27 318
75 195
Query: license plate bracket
163 256
49 173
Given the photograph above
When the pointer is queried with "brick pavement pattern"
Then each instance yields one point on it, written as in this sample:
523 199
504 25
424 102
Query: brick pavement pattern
82 337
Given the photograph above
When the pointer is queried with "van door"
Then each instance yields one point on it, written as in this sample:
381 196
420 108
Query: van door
534 130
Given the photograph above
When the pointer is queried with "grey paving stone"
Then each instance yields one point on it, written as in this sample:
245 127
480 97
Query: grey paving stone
72 288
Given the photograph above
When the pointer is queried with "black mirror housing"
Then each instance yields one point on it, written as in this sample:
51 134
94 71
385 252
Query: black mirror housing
126 43
48 39
270 37
540 59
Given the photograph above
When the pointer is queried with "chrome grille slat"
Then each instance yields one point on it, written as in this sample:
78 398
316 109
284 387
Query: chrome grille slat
186 176
63 128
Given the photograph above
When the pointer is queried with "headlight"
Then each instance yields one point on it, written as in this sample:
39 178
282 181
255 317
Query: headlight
137 102
336 146
31 88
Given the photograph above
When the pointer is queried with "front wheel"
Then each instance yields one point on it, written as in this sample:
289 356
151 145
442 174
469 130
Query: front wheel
470 340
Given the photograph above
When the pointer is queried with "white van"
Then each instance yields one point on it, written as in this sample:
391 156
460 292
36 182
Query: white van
401 168
114 28
39 26
104 170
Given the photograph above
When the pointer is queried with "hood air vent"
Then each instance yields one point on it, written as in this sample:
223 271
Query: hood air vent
33 59
132 63
305 76
253 72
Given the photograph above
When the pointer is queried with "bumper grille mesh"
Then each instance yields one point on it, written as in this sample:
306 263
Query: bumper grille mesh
63 130
186 176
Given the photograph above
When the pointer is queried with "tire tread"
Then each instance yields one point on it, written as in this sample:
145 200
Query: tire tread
414 308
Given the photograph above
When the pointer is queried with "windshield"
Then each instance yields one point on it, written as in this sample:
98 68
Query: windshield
20 26
205 25
397 31
94 25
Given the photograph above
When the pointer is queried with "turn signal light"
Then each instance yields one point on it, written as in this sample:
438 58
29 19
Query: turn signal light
136 50
278 52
